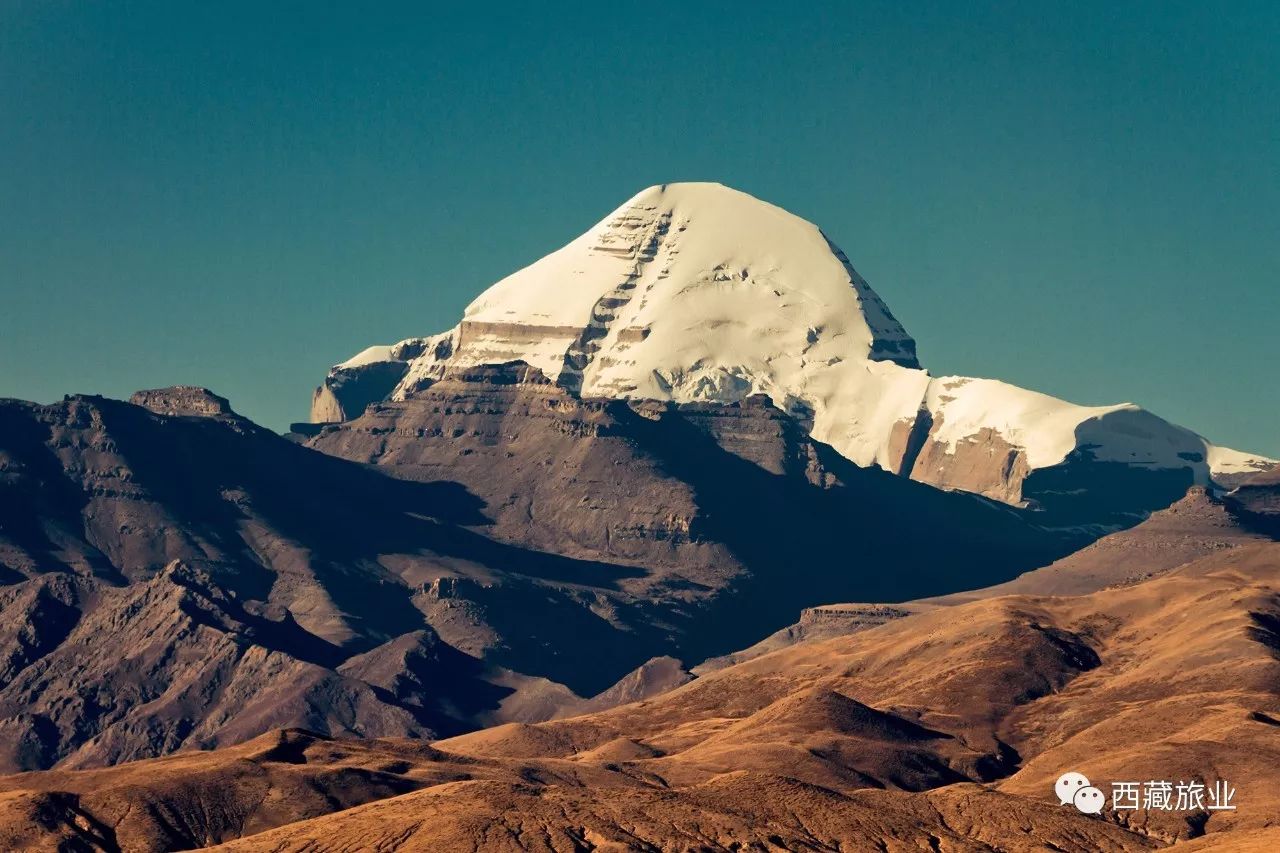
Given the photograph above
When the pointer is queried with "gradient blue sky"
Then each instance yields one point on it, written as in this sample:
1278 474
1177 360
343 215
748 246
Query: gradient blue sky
1082 198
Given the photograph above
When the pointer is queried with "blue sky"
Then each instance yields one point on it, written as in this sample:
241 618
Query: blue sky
1080 198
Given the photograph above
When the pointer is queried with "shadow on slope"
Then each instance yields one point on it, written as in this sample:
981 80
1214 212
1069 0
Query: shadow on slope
863 534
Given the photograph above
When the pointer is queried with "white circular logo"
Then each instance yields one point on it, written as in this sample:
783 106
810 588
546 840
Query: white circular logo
1067 786
1089 800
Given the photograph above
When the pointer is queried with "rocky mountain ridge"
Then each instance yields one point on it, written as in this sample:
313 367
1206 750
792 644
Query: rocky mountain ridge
174 576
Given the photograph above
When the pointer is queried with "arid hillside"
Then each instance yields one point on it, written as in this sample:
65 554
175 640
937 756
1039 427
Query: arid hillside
946 728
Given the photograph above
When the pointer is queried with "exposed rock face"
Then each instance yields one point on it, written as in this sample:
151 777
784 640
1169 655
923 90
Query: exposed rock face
553 471
346 393
1106 466
1257 501
1080 490
983 463
370 376
183 400
702 497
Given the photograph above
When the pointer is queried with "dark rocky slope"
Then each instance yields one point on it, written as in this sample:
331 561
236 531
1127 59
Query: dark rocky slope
175 576
1256 501
1197 526
735 506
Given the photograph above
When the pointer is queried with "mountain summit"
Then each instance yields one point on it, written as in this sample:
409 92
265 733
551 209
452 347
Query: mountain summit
689 291
698 293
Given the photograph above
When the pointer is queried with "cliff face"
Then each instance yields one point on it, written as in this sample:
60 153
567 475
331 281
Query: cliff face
346 393
700 495
1257 500
183 400
553 471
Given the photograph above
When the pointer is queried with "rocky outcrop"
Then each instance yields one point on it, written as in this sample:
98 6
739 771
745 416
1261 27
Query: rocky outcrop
651 678
371 376
1081 490
346 393
1257 501
983 463
183 400
1107 467
816 623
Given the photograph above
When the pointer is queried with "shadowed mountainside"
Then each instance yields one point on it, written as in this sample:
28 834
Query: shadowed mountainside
733 502
1196 526
254 583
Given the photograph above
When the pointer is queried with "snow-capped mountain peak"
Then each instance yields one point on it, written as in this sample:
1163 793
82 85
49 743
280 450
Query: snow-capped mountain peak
691 291
695 292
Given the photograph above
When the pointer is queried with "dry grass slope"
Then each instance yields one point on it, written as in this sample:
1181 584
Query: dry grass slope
942 730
